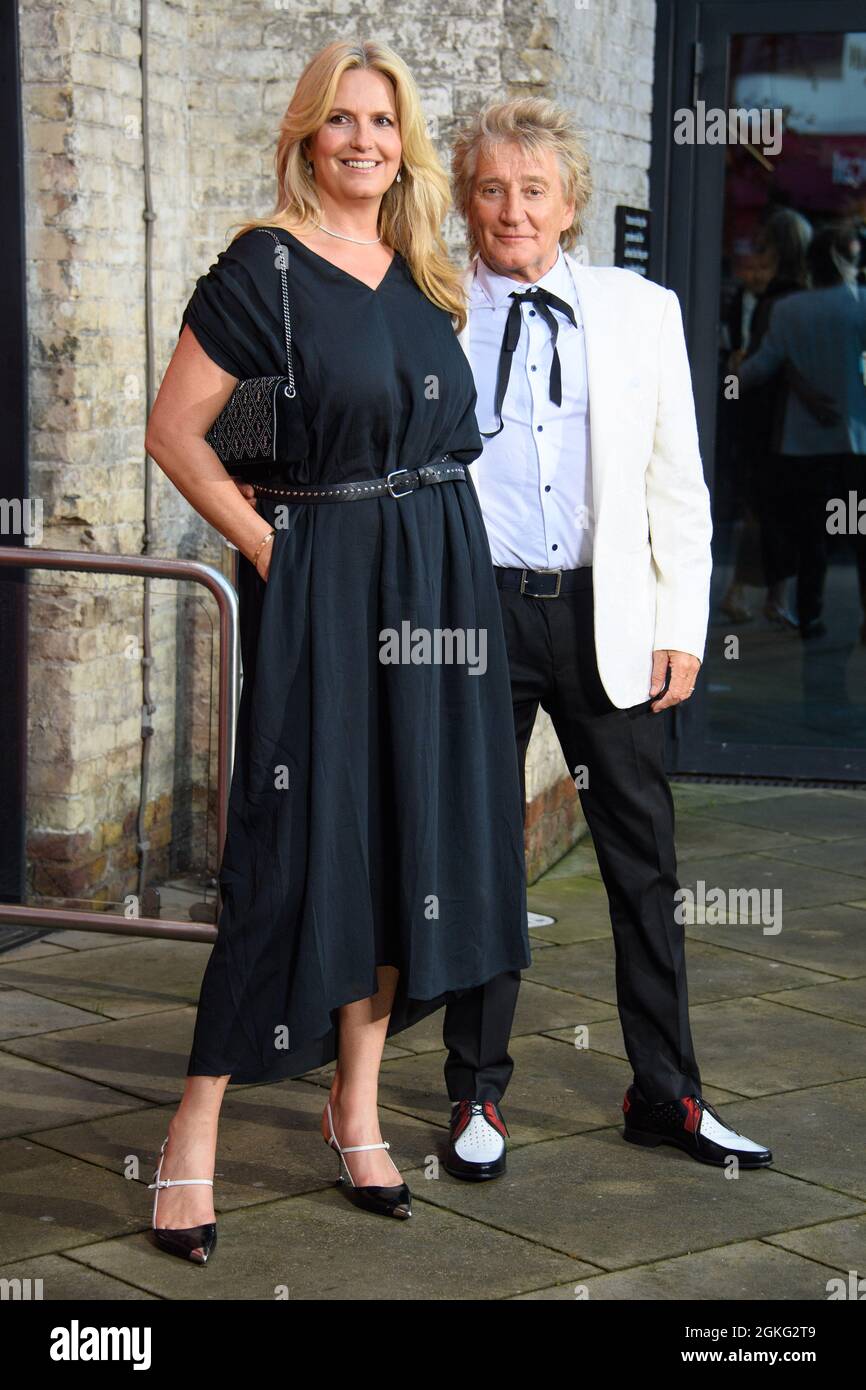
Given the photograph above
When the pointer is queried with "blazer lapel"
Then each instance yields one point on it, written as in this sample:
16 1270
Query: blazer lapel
604 368
463 340
468 277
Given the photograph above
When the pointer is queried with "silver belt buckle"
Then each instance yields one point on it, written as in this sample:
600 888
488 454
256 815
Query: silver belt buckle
393 474
555 593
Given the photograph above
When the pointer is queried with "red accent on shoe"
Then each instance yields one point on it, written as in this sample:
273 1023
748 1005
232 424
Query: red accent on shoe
626 1104
693 1114
462 1118
494 1119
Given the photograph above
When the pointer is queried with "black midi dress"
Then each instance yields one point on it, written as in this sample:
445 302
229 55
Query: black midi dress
374 812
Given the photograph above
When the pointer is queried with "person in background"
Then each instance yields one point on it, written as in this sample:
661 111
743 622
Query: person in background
817 340
782 245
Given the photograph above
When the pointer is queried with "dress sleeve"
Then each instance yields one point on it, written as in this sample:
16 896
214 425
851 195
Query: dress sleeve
230 311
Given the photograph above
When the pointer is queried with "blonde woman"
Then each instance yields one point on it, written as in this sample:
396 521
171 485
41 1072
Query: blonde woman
374 857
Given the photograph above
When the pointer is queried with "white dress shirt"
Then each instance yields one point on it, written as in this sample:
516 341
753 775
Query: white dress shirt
537 474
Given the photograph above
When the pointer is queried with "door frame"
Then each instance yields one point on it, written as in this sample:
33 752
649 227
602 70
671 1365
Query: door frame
687 198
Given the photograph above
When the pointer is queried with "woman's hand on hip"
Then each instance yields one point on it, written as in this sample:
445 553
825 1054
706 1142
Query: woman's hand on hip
248 491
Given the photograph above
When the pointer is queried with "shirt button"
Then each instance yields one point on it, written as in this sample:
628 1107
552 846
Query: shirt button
533 369
532 313
547 487
539 428
554 546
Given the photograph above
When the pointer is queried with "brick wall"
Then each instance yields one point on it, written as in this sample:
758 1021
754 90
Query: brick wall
220 76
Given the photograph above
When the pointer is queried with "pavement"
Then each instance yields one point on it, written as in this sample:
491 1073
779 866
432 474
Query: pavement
95 1038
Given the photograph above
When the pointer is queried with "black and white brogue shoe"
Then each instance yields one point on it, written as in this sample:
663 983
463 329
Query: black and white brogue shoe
693 1125
476 1143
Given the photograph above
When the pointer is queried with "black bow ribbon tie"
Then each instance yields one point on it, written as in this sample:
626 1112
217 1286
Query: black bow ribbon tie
546 302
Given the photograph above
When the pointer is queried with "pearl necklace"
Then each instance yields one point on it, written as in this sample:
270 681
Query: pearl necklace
342 235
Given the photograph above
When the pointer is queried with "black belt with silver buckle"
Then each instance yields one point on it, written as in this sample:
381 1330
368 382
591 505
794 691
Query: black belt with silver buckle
543 583
409 480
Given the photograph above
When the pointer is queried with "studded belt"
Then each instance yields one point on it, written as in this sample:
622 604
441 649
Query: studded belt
408 480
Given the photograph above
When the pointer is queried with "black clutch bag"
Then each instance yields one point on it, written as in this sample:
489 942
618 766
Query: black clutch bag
261 424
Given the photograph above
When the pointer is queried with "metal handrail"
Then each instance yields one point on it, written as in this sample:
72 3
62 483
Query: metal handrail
30 557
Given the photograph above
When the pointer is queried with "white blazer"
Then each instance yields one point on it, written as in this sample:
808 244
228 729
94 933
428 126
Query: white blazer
651 553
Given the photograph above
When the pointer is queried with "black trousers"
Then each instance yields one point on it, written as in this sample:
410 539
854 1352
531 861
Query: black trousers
807 483
629 810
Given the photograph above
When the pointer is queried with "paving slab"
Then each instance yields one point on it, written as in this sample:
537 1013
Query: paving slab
58 1279
569 930
691 797
841 1245
756 1048
749 1270
839 856
799 884
817 1134
844 999
578 906
321 1247
710 837
583 894
826 938
34 1097
149 975
72 939
614 1205
696 834
580 861
713 973
818 815
146 1055
28 950
23 1013
270 1144
51 1202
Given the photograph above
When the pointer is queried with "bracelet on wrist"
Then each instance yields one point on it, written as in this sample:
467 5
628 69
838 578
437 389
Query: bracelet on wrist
263 542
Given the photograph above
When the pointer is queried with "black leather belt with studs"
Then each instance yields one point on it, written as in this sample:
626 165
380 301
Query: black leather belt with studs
398 483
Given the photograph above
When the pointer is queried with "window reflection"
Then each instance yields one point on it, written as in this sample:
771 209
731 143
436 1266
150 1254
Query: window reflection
790 456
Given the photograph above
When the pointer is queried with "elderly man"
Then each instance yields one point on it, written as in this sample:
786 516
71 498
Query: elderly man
598 518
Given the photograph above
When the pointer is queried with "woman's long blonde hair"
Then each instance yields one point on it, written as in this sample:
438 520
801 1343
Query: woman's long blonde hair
412 211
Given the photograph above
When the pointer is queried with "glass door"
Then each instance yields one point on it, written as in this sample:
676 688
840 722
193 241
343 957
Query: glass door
772 191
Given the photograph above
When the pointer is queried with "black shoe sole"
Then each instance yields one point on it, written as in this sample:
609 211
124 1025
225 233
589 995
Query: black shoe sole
648 1140
476 1176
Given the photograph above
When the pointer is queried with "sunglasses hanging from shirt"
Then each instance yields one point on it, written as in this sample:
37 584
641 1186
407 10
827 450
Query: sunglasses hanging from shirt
262 422
545 302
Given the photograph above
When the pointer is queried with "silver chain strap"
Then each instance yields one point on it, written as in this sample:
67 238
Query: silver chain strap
287 319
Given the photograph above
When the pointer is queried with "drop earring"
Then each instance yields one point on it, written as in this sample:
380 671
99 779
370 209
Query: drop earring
399 178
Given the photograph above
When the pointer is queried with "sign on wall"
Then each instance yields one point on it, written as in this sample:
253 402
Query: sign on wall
632 245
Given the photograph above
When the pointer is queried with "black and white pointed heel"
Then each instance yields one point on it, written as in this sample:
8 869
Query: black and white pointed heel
384 1201
195 1243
